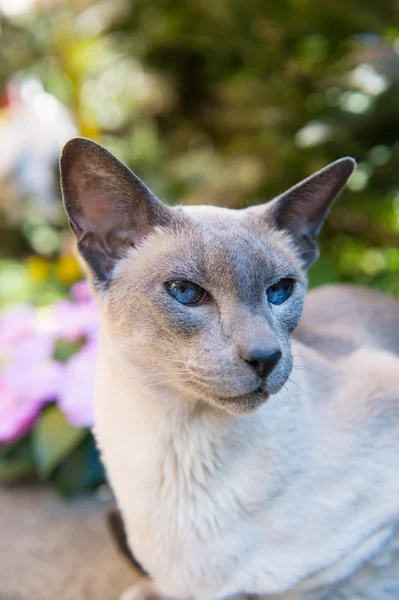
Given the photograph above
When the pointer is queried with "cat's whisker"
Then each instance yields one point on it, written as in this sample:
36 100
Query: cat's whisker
300 366
287 393
157 382
304 252
303 368
295 383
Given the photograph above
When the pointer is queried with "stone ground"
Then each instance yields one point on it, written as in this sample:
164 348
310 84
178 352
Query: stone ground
56 550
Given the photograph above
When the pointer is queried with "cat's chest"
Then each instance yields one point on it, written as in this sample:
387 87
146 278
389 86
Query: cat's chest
376 580
183 497
186 513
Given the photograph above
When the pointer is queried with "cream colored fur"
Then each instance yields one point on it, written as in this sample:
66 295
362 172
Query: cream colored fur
230 482
287 500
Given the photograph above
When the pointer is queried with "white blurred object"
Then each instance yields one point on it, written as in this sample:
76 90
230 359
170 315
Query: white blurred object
15 8
366 78
313 134
34 127
18 10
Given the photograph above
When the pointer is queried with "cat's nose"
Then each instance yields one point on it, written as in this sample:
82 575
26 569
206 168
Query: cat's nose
262 361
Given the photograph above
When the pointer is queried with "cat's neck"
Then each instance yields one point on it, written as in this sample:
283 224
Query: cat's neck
264 463
278 433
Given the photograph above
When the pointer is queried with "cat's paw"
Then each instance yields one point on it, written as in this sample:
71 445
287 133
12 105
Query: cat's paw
145 589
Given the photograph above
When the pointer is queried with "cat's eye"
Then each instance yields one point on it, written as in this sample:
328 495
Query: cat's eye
280 292
185 292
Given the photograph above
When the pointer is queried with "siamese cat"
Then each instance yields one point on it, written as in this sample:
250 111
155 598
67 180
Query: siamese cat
251 436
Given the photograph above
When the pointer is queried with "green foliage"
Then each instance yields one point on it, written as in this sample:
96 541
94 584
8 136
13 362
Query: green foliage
53 439
16 462
80 471
54 451
232 102
64 349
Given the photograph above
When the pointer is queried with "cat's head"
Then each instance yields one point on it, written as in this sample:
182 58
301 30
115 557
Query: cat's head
202 300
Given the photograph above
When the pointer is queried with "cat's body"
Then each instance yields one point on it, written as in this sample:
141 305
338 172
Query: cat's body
244 459
298 494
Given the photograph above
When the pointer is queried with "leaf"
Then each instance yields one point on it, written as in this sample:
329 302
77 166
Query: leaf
95 472
16 462
53 440
65 349
81 471
15 469
69 477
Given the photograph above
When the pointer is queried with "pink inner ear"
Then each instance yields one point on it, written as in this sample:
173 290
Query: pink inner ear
108 206
102 218
98 213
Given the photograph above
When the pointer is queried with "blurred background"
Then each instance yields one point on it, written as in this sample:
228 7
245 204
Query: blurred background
224 102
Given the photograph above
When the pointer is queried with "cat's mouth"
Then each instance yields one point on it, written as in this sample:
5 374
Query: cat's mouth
240 403
249 401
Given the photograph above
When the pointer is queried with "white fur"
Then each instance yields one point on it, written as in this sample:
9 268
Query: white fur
288 501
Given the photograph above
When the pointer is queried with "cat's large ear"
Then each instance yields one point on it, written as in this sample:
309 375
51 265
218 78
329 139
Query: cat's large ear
109 208
302 210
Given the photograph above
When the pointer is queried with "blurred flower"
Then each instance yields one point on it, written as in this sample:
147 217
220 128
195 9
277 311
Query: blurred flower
38 268
30 376
68 269
14 324
73 320
76 393
24 390
28 380
81 290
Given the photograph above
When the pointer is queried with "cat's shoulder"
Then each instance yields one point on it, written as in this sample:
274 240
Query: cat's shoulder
349 297
339 319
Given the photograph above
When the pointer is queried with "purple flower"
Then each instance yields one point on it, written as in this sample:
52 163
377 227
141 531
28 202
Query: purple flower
29 375
14 324
77 389
25 387
81 290
73 320
16 418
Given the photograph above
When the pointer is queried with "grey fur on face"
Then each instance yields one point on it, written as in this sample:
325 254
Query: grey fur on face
134 245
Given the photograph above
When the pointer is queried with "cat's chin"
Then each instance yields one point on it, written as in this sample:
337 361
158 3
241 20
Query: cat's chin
246 403
239 404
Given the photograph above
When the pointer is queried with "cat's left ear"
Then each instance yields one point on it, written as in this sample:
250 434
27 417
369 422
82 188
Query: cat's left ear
110 209
302 210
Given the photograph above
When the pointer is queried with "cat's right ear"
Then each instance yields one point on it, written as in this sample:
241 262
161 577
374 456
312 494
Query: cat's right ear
110 209
302 210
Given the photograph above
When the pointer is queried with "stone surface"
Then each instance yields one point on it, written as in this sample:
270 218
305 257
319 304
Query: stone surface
51 549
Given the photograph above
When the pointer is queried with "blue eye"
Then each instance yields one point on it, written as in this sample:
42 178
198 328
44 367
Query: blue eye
185 292
280 291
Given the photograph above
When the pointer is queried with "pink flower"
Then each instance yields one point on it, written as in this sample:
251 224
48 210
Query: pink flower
33 349
77 389
29 375
73 320
14 324
16 418
81 290
69 320
25 387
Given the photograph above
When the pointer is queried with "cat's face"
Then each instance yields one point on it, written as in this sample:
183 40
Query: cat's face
201 300
207 308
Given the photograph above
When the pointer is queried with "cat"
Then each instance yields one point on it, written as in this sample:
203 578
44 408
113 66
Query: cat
251 451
